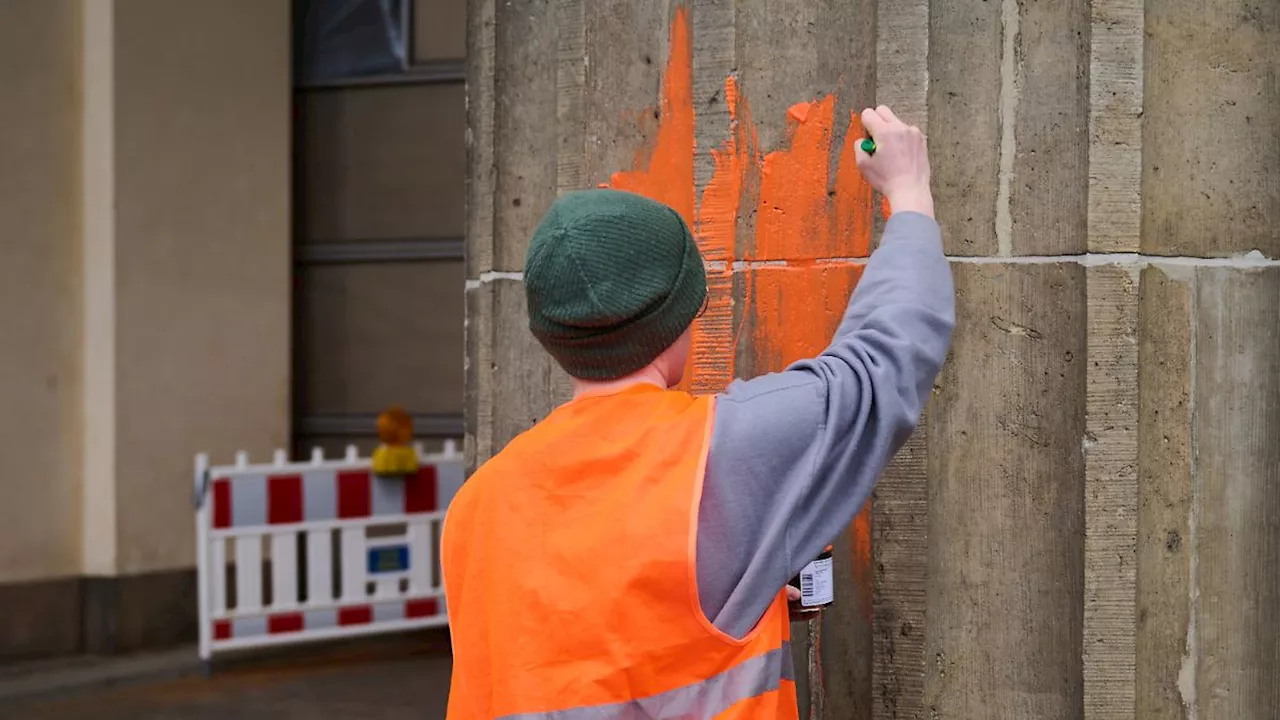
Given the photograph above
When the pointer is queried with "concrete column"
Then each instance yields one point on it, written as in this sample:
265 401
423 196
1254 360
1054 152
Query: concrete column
1084 525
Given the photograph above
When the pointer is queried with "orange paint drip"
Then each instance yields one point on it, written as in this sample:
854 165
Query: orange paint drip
860 539
668 170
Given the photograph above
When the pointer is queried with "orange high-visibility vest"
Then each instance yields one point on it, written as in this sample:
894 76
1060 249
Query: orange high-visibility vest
569 576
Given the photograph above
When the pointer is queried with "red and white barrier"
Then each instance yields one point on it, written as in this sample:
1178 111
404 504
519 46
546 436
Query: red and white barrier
346 553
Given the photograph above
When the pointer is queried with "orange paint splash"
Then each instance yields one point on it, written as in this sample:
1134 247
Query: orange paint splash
797 310
668 171
801 215
806 212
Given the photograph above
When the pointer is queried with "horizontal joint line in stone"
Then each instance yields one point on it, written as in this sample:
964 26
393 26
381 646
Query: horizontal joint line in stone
1253 259
491 276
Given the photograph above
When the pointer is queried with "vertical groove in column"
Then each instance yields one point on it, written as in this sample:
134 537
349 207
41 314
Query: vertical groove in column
478 328
1010 70
1115 126
899 512
1188 673
481 169
1164 488
719 169
526 145
571 69
481 173
1111 493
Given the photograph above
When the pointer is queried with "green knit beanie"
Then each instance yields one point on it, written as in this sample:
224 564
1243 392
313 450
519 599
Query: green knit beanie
612 280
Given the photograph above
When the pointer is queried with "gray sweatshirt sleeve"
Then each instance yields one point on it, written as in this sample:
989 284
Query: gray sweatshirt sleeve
795 454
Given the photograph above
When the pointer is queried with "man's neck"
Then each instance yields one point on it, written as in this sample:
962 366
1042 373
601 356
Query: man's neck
648 375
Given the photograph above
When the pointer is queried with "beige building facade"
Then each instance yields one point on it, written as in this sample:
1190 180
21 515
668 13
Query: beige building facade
201 253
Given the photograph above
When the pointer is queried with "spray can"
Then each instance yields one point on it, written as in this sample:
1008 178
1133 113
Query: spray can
817 586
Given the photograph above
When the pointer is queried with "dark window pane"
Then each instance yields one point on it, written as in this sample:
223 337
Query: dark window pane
351 38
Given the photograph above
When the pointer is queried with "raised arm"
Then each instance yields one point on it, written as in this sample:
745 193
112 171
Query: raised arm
795 454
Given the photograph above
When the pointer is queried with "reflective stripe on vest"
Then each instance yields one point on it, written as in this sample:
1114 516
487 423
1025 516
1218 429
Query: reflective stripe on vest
699 701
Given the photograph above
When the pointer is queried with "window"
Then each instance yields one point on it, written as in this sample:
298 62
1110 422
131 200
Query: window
342 39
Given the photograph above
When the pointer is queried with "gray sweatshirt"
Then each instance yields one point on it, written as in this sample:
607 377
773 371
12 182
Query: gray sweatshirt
795 454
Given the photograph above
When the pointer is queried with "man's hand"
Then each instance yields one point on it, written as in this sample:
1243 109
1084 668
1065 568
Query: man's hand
797 612
899 169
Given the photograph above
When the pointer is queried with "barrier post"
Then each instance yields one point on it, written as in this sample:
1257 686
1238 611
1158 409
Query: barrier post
202 554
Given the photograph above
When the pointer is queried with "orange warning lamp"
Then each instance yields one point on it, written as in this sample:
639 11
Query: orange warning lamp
396 455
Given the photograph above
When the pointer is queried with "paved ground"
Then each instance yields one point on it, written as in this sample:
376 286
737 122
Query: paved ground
386 679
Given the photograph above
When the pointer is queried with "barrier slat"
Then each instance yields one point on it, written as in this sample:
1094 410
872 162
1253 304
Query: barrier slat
233 614
331 524
319 566
248 573
353 564
218 574
421 563
284 569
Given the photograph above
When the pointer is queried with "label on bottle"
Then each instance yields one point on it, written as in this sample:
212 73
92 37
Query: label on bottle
817 583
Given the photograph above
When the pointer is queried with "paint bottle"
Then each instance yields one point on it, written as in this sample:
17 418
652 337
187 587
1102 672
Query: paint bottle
817 586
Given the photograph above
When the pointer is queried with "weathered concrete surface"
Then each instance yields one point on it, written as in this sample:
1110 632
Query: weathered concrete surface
1100 432
1006 502
1211 130
524 122
478 367
627 43
1234 636
793 50
1164 490
531 383
1115 125
1046 183
1111 491
964 50
899 514
1008 119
